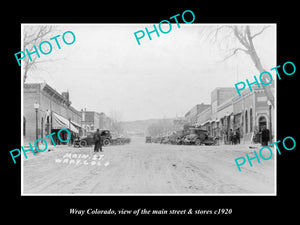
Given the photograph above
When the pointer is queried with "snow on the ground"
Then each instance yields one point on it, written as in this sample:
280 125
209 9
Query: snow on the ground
140 168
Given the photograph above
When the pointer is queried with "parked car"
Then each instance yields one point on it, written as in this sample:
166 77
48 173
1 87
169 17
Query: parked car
198 137
164 140
120 141
148 139
126 140
173 138
88 140
180 136
156 139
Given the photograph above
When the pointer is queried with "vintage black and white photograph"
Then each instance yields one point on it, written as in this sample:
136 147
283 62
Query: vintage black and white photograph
144 109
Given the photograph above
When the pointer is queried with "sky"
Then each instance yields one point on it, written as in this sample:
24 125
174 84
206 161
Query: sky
105 70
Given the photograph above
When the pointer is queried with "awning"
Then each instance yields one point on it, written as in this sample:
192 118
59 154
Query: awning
76 124
229 114
59 122
207 121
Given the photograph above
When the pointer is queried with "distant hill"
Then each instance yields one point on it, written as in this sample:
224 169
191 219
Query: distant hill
139 127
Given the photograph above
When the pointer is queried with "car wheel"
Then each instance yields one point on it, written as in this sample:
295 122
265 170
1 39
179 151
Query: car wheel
198 141
83 143
215 141
106 142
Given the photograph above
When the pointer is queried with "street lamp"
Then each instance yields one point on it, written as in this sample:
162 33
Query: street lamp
270 117
36 106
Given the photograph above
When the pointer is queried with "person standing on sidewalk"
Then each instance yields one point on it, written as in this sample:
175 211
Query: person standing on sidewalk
238 136
231 137
265 135
97 139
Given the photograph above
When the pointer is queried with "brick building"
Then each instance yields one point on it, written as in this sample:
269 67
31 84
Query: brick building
222 110
220 95
247 113
251 111
204 119
92 121
54 113
192 114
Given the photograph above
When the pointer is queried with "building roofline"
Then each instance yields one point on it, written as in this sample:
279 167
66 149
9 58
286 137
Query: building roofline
47 88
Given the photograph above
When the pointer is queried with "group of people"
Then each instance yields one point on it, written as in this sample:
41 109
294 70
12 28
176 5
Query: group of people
234 136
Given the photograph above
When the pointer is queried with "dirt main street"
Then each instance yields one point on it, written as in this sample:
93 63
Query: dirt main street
140 168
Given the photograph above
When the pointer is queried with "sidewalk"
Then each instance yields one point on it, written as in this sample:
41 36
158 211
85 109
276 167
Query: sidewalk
41 146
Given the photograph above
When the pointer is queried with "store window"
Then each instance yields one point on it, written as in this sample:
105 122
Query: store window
251 120
246 122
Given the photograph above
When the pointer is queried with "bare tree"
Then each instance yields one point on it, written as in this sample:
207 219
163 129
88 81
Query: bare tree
116 117
33 36
245 37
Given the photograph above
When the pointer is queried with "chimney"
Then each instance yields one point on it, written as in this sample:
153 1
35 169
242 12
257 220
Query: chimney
66 97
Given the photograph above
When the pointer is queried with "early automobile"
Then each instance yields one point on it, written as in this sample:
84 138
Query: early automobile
148 139
88 140
156 139
199 137
165 140
180 136
120 140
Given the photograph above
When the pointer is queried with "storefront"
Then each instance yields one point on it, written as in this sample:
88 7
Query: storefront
226 118
207 126
246 115
215 128
59 122
251 113
46 111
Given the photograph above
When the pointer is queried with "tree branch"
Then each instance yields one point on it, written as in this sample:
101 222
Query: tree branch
50 60
235 52
239 35
214 33
258 33
33 35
